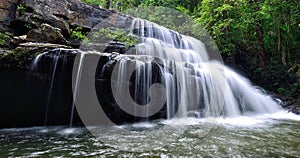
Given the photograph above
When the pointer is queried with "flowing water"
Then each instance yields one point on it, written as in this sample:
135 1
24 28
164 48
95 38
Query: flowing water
194 83
257 136
248 122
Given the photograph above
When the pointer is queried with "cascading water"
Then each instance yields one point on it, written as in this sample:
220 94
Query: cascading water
55 61
194 84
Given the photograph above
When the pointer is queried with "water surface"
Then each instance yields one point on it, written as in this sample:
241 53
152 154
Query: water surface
268 135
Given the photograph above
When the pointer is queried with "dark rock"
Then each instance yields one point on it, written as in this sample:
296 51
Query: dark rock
46 33
21 57
291 104
115 47
27 92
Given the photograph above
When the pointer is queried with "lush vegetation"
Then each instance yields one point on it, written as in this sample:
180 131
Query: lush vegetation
259 37
78 34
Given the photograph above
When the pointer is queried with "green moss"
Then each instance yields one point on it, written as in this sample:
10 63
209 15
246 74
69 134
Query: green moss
19 58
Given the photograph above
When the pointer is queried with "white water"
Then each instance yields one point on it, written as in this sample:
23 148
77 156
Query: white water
253 120
35 62
75 91
55 61
194 84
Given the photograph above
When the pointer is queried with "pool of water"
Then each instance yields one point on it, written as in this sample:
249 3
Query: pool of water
264 136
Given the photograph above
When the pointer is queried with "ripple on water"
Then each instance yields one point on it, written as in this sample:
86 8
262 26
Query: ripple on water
264 135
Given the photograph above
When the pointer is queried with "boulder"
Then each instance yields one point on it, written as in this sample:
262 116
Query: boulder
46 33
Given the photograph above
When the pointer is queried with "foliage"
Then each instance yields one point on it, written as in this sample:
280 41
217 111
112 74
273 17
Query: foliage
4 38
21 8
113 34
78 34
101 3
276 78
233 25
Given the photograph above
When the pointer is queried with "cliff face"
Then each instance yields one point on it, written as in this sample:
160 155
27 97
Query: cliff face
40 22
17 16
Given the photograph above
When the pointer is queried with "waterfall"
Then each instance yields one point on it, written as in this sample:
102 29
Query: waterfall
194 84
55 61
78 77
48 72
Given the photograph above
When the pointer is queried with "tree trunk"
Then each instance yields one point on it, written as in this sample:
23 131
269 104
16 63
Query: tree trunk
260 38
283 56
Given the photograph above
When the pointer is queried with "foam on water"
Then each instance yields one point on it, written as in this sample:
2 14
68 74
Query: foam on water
70 131
246 120
284 115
